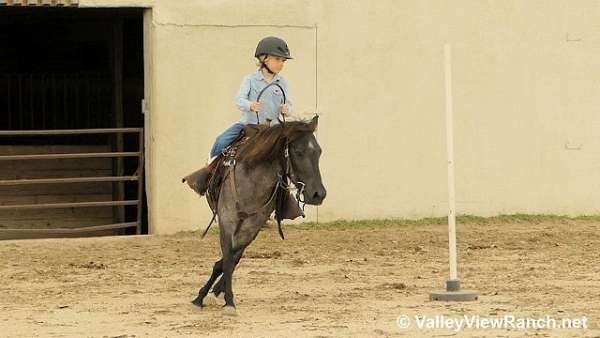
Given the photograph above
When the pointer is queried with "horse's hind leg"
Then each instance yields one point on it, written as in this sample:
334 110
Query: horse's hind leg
217 270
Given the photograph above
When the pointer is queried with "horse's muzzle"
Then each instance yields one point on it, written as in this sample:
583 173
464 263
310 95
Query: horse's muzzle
315 197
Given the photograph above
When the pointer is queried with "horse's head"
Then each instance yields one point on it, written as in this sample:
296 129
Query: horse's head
304 152
303 149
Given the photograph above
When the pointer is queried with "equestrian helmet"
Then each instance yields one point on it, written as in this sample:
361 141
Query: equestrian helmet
273 46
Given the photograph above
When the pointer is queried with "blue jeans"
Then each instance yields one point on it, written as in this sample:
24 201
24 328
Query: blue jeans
226 138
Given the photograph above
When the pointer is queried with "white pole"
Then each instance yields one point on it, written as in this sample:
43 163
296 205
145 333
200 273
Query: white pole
450 148
453 291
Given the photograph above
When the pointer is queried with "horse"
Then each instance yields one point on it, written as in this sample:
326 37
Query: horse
262 167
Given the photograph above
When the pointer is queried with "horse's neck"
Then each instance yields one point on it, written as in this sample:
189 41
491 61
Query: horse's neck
256 181
264 172
253 186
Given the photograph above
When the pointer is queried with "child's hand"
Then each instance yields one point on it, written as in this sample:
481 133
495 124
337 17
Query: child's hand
255 106
284 108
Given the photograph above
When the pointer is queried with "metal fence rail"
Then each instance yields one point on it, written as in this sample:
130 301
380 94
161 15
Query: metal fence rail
64 156
138 177
39 2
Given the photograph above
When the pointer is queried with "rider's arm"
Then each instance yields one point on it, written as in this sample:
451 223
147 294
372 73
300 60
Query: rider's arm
242 99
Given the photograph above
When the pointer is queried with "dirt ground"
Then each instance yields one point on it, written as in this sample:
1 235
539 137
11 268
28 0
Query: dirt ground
316 283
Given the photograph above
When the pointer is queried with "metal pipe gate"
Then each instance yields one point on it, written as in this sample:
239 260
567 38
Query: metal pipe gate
138 176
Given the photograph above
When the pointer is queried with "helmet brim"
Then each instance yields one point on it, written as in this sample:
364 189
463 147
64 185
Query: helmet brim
275 54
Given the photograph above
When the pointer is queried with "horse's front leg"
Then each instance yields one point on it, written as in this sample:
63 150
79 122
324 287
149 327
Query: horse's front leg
247 233
220 284
217 270
228 265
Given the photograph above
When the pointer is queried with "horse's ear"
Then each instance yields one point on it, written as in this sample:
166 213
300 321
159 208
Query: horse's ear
314 123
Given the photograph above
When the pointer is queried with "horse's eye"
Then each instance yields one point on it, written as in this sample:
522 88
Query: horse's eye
299 153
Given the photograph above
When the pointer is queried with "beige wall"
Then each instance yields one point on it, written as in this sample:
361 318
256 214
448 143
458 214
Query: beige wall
527 103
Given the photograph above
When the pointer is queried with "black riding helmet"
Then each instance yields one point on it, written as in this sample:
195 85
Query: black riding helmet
272 46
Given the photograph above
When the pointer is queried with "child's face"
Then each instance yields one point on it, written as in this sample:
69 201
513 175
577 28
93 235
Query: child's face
275 63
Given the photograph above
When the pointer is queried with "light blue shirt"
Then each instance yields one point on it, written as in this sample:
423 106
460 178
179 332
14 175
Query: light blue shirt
271 99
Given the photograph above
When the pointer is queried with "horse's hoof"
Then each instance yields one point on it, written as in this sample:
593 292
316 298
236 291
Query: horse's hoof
230 310
198 302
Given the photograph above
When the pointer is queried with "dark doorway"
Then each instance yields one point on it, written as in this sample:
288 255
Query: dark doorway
70 68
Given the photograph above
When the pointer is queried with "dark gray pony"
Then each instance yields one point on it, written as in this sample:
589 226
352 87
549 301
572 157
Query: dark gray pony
246 195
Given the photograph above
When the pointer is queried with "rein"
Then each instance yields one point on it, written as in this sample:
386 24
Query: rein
273 83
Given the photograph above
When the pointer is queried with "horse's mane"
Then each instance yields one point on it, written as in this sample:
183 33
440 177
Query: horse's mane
269 142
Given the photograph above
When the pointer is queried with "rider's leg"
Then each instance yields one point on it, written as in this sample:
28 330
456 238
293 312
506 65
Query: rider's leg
198 180
226 138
